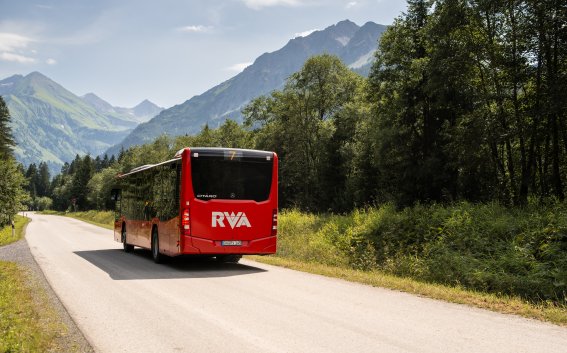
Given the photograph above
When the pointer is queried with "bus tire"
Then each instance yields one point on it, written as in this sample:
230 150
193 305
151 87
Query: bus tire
229 258
127 247
158 258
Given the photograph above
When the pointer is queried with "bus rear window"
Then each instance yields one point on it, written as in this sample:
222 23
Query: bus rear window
231 177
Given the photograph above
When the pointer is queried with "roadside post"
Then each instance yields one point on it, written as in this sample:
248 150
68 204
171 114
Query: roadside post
13 229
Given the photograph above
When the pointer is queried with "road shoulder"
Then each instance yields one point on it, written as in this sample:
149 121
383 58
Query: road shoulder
70 338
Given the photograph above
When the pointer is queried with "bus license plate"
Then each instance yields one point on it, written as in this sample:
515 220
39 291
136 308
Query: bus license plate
231 243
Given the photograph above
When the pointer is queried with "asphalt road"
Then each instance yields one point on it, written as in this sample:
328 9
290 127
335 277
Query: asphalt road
126 303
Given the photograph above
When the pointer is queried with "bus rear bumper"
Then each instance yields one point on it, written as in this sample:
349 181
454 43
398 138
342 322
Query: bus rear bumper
262 246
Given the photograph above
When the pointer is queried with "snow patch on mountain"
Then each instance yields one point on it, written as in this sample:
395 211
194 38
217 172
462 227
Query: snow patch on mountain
363 60
343 40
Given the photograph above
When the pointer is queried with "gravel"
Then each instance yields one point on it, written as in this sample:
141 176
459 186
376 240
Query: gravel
73 339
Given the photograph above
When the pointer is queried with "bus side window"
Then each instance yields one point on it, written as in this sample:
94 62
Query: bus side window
115 195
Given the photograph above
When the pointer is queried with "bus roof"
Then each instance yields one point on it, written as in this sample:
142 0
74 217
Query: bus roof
146 167
212 150
205 151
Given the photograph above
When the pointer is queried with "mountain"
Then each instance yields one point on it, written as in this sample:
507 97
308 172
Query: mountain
139 114
51 124
145 111
355 45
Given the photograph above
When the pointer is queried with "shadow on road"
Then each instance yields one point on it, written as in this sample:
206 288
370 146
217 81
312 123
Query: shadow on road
139 265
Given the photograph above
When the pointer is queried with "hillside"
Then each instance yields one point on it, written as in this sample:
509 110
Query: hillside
52 124
355 45
138 114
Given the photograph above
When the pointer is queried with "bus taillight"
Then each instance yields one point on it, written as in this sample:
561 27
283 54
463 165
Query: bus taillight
275 223
186 222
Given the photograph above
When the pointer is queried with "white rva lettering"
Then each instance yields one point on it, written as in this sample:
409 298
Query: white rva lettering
238 220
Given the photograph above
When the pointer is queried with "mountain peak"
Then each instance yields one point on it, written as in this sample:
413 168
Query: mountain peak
345 26
98 103
346 22
145 103
146 109
37 76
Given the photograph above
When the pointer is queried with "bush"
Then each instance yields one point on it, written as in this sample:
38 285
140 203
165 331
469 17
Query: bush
487 247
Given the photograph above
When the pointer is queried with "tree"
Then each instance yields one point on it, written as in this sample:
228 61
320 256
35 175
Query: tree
13 195
33 177
84 170
297 123
6 139
408 152
43 182
99 187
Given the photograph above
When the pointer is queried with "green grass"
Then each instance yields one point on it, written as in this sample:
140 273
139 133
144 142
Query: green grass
27 321
6 236
482 247
103 219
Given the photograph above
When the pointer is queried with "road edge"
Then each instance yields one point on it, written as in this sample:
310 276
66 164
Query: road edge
72 339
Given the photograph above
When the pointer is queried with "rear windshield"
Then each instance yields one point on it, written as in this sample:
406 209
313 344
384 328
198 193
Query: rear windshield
231 175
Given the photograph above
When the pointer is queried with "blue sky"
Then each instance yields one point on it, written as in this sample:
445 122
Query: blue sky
167 50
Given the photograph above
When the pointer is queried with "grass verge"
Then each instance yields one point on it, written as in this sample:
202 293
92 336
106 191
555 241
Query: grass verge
27 321
6 236
504 304
103 219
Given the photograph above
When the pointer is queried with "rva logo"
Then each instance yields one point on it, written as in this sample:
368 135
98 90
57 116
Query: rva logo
237 220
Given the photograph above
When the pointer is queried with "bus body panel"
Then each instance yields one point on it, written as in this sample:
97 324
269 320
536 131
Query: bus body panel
231 220
137 233
263 246
170 239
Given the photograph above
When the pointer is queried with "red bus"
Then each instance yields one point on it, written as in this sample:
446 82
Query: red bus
220 202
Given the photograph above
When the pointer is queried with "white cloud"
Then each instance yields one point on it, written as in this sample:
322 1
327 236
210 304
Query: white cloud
196 29
51 61
5 56
238 67
304 33
11 41
259 4
12 48
351 4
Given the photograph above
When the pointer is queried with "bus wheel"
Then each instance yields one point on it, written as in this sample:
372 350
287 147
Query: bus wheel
155 247
127 247
229 258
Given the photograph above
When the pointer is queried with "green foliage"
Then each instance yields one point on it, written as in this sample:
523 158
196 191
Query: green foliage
39 187
12 181
304 125
99 187
466 100
491 248
27 324
101 218
12 194
6 236
70 188
6 139
43 203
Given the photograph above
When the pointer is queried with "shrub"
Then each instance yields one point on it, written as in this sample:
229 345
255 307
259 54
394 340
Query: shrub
488 247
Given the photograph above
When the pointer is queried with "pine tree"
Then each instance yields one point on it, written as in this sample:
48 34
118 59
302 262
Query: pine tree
7 141
43 182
